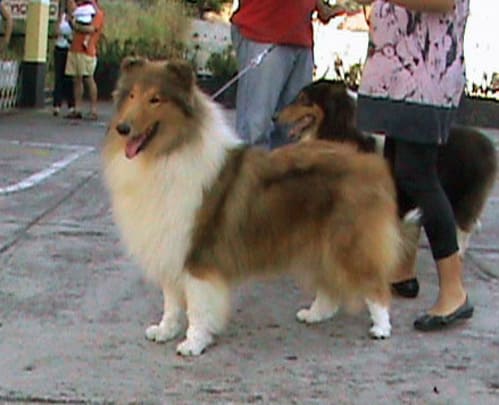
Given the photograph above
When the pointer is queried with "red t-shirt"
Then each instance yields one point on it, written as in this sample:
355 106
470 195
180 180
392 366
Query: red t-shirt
276 21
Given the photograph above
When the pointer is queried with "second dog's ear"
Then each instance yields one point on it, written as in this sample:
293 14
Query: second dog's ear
132 62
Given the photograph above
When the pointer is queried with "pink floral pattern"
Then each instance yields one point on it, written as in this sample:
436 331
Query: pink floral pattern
414 56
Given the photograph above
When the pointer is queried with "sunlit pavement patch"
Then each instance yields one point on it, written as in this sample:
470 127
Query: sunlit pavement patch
26 164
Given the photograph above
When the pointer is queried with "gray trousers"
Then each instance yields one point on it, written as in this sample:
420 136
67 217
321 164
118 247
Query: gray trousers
264 90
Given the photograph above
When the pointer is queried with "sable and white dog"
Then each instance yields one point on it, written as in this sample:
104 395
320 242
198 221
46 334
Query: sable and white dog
466 164
200 211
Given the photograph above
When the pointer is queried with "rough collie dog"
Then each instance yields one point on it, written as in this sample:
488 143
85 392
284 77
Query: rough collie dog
200 211
467 164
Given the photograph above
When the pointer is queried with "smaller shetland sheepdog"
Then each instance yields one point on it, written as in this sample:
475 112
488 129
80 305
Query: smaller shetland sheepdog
467 163
200 211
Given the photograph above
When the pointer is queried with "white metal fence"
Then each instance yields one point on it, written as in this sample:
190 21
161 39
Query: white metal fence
9 84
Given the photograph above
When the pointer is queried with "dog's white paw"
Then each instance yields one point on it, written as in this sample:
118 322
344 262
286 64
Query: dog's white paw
380 332
163 332
312 316
193 347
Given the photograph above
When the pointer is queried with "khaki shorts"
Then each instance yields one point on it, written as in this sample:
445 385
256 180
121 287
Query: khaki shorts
79 64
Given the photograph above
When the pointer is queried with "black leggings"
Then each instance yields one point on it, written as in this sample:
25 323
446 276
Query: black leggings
415 171
63 85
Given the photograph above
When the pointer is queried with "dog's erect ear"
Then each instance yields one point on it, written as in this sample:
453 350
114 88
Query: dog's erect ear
180 72
132 62
129 65
340 110
180 81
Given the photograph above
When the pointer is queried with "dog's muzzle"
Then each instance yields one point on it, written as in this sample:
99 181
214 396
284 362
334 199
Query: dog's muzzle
123 128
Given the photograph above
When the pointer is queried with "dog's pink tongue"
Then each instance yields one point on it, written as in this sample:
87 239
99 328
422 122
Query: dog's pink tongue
133 146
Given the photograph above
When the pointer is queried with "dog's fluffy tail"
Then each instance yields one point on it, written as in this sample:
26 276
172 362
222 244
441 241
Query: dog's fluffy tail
410 227
413 217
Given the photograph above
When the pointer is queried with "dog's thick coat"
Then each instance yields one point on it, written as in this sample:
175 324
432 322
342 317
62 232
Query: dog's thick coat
467 163
200 211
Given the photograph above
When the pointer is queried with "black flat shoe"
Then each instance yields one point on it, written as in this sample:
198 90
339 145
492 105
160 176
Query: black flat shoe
429 322
407 288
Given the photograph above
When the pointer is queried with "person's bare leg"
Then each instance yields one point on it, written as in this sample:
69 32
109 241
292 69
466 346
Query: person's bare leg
93 94
78 90
451 294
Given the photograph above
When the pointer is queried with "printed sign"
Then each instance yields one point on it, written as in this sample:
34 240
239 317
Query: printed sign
19 9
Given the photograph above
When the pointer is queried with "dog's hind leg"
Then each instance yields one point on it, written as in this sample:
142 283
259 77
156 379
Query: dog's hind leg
463 241
379 305
171 322
208 307
322 308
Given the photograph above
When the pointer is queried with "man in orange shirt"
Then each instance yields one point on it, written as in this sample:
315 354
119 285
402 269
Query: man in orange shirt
82 60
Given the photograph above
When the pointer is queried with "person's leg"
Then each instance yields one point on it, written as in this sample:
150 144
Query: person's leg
67 85
301 74
404 280
452 293
89 70
92 92
258 90
59 67
78 92
416 175
73 71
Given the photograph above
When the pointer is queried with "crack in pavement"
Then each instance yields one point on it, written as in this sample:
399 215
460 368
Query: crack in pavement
41 400
23 231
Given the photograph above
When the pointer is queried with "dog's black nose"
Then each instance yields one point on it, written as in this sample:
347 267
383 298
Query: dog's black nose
123 128
275 116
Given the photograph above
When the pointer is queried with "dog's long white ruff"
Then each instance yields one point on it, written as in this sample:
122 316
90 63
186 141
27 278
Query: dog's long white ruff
155 206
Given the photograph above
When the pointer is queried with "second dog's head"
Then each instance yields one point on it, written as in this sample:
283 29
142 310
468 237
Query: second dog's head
322 110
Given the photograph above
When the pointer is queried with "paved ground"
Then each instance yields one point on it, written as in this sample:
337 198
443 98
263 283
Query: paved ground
73 307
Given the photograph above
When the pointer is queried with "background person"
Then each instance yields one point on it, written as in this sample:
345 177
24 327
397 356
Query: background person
82 61
261 92
7 23
83 14
63 85
411 85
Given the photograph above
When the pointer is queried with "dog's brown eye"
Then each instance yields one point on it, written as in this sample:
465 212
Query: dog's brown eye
131 95
154 100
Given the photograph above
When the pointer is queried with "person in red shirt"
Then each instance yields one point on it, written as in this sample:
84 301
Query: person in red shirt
82 60
262 91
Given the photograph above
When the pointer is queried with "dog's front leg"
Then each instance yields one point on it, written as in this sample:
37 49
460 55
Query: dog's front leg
208 307
171 322
380 316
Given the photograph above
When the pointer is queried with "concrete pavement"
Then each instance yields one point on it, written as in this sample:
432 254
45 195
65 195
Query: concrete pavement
73 307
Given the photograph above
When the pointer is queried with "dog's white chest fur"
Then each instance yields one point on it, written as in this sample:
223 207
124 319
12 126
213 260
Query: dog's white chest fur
155 204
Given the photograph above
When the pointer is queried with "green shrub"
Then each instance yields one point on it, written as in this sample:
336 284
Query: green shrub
153 21
223 65
155 29
204 5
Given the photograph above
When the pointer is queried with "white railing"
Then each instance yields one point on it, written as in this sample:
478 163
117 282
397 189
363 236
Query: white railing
9 84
